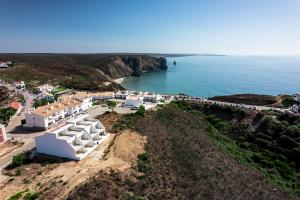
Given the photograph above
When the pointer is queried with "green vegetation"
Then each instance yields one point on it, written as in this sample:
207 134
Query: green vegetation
6 114
26 194
41 102
59 90
111 104
288 101
272 148
31 195
141 111
20 159
142 163
230 111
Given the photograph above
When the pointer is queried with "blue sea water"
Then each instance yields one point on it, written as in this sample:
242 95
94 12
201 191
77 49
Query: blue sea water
223 75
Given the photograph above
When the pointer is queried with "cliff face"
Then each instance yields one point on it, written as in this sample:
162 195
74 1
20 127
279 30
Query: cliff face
81 71
140 64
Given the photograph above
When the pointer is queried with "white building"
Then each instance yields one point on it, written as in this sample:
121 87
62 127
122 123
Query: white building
75 139
96 95
103 95
134 101
152 97
19 84
3 65
3 136
45 88
122 94
294 108
45 116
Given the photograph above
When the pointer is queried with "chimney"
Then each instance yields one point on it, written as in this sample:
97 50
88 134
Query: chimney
58 104
46 110
51 107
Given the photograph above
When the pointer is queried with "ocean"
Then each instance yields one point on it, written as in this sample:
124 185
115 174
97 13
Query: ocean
207 76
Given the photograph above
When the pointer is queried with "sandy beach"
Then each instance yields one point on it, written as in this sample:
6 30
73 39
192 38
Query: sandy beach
119 80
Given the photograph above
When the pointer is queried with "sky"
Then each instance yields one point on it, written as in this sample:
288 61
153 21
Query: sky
231 27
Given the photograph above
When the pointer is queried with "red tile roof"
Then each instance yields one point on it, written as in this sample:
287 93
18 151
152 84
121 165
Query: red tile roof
15 105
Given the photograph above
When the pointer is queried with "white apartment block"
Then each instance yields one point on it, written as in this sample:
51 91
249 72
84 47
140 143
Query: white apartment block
75 139
43 117
134 101
122 94
152 97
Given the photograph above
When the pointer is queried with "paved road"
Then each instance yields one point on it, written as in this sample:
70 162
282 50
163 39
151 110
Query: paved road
253 107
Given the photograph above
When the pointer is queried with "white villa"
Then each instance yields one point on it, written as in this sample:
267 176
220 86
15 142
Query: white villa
134 101
74 139
45 116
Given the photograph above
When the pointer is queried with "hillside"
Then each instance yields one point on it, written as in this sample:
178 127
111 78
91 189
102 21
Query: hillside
79 71
183 159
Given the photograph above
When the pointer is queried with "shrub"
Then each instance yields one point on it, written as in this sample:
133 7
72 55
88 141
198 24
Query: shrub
111 104
143 156
184 105
31 195
288 101
141 111
142 166
19 159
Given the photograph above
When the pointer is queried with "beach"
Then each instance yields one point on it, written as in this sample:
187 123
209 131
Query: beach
119 80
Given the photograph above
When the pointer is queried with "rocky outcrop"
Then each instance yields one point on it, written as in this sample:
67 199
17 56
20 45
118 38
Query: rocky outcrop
140 64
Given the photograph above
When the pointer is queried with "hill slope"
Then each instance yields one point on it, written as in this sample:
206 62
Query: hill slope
181 162
80 71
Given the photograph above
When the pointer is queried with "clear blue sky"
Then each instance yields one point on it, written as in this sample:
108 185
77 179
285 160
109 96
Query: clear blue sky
254 27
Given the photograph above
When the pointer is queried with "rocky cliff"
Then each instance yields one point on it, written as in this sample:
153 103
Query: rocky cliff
79 71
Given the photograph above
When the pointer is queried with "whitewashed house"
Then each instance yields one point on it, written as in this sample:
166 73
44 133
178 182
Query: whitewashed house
74 139
134 101
43 117
3 136
122 94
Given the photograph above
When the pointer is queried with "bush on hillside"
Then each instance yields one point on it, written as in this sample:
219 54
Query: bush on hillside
141 111
288 101
19 159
